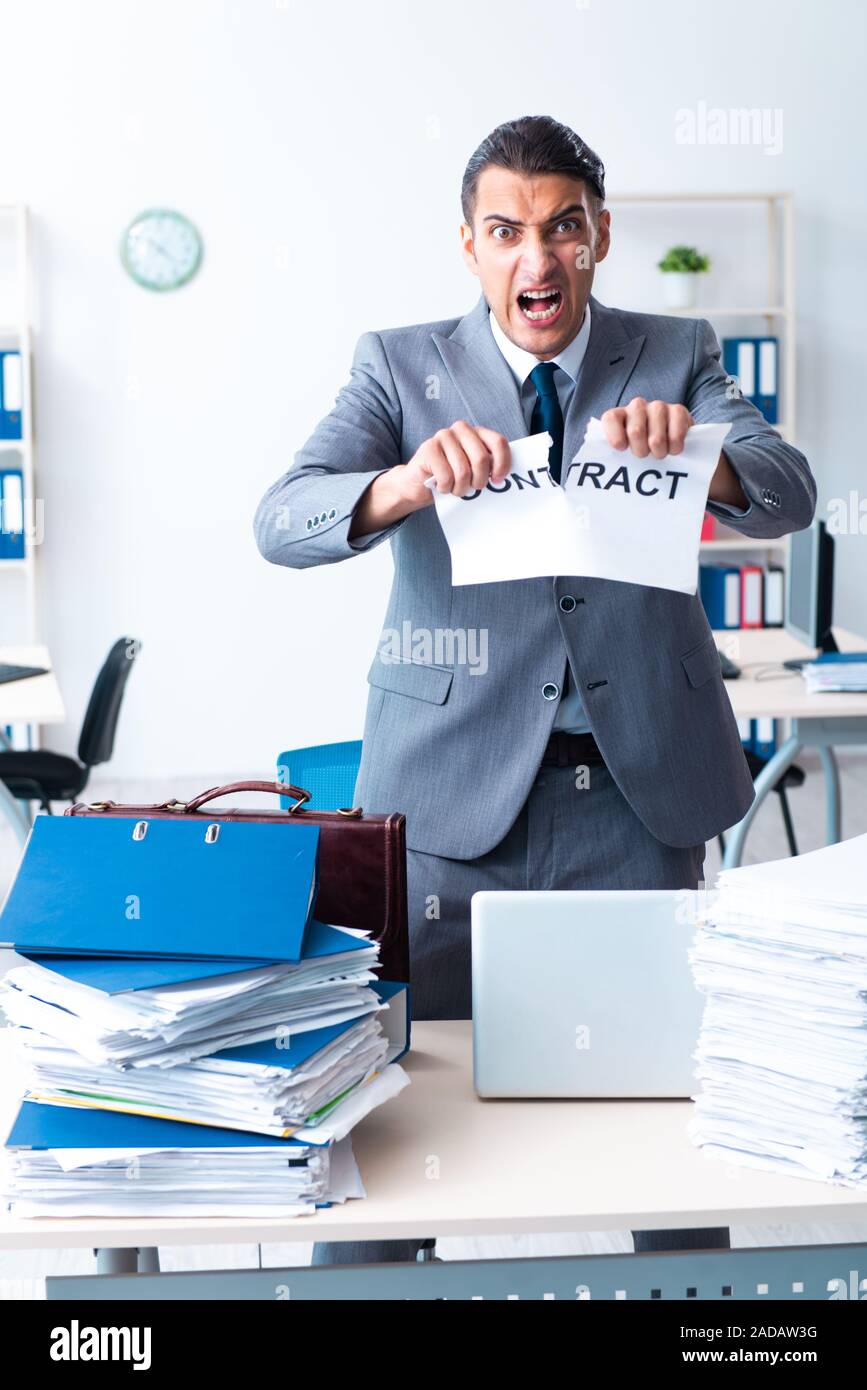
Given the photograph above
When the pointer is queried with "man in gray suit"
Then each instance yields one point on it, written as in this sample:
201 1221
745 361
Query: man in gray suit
544 733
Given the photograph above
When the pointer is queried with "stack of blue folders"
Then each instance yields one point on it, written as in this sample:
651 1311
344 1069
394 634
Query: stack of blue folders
179 1009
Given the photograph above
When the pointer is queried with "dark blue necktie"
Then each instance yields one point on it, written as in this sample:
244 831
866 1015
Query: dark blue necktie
547 414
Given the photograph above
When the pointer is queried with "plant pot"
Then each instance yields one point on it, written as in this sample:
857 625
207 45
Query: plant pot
680 288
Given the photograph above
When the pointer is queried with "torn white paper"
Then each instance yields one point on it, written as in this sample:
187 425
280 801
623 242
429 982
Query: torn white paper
616 517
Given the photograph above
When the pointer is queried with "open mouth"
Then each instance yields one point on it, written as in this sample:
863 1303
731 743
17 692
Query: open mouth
540 306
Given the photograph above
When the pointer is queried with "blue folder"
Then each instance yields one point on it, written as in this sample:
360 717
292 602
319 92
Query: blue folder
289 1053
292 1051
396 1020
12 546
116 975
10 409
712 587
66 1127
838 658
758 381
87 886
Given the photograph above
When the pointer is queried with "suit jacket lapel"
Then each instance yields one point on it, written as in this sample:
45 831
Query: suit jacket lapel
488 389
482 375
608 364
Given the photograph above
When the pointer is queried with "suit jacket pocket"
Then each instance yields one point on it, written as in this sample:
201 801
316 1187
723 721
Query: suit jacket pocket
701 662
414 678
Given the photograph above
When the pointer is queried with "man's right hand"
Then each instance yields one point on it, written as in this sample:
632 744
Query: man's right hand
462 458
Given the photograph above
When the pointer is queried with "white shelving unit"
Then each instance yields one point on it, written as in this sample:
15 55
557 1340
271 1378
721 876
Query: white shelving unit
18 603
726 543
777 313
778 310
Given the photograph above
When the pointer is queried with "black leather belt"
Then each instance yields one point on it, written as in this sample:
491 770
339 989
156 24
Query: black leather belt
572 750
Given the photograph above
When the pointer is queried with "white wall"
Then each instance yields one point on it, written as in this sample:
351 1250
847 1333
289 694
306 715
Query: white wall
320 150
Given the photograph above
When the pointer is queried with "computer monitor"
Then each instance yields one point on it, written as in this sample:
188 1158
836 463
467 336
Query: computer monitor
810 589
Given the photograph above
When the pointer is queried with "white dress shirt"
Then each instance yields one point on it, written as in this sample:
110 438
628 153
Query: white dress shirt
571 715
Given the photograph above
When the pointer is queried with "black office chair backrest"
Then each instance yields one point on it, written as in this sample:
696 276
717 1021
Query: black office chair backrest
96 743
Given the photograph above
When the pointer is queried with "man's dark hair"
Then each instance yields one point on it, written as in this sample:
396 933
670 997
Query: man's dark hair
534 145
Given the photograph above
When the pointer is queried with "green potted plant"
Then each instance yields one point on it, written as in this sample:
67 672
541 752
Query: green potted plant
682 266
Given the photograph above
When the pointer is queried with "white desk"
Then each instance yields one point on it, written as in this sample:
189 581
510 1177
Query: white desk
817 721
503 1167
35 700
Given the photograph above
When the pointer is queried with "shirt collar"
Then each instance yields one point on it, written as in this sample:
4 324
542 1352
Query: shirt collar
522 362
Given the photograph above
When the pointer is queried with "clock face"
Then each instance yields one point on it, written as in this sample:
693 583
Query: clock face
161 249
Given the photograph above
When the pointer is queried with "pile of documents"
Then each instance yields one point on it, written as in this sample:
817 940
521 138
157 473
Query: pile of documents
225 1083
292 1079
110 1165
160 1013
782 1055
838 671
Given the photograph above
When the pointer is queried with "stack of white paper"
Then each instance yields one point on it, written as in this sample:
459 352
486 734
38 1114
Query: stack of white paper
850 676
260 1089
160 1071
782 1054
180 1181
179 1022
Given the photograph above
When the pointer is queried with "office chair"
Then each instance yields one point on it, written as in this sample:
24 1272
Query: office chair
326 770
794 776
44 776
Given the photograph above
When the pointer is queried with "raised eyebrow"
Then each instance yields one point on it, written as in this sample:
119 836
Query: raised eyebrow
567 212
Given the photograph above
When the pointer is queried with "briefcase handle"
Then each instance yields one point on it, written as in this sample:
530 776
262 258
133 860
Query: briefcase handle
278 788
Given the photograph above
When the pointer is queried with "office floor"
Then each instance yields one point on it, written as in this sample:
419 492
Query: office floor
22 1273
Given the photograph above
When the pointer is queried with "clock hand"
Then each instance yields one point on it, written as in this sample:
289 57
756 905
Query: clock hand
166 255
150 241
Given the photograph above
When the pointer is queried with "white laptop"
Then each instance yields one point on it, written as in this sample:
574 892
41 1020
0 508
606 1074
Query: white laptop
585 994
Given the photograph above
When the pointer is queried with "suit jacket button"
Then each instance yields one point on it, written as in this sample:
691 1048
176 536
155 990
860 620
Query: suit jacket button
567 604
550 691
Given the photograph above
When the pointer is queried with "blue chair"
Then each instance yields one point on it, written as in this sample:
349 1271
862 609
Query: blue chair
327 770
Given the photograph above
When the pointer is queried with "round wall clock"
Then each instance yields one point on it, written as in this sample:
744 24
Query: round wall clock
161 249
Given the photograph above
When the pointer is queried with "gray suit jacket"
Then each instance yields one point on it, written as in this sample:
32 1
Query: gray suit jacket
456 749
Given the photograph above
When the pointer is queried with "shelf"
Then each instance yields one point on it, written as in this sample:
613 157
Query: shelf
776 210
745 543
777 316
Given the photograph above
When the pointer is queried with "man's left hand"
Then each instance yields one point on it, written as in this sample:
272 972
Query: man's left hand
657 428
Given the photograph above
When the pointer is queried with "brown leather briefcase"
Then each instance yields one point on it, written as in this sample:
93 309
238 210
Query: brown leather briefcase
362 859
